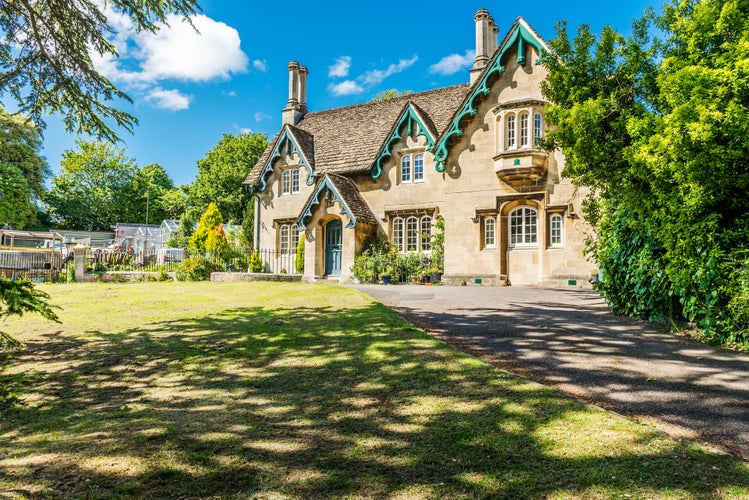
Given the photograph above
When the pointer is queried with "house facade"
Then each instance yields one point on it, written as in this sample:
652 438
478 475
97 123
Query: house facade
467 153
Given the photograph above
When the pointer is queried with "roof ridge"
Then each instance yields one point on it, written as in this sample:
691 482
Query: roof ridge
404 97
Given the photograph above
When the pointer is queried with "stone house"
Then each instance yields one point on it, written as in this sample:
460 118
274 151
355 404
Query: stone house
467 153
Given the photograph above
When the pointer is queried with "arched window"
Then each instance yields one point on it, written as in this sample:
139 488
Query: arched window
510 131
426 233
286 182
419 167
524 130
555 236
524 227
490 232
406 168
295 180
538 128
412 234
397 235
283 239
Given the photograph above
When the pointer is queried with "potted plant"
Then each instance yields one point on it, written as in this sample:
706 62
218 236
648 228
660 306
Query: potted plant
435 275
385 277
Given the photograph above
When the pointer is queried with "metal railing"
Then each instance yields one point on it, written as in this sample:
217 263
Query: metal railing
276 262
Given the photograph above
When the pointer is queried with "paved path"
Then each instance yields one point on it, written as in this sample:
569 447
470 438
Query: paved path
568 339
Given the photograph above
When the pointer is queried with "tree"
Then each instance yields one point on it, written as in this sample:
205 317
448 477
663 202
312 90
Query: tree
389 94
221 174
94 188
150 185
660 129
18 297
15 207
20 143
47 51
210 219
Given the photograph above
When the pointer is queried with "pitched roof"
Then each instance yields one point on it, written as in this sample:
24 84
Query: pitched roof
343 190
348 139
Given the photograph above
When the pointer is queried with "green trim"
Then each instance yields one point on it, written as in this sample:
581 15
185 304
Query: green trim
517 40
325 185
409 117
285 140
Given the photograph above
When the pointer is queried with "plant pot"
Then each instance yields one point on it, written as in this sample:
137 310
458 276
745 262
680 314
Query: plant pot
385 279
435 277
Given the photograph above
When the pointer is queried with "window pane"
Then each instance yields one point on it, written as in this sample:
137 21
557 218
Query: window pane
426 234
556 229
490 231
284 239
286 182
511 131
398 233
406 168
419 167
537 127
295 180
294 237
524 129
412 234
524 226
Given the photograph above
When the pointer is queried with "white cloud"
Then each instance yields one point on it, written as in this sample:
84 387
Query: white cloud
449 65
260 116
178 51
376 76
346 87
340 68
365 81
260 65
245 130
172 100
175 52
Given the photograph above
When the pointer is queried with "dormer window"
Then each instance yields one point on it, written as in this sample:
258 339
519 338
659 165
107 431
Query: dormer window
412 168
290 181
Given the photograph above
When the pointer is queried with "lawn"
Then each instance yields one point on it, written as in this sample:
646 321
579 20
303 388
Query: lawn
269 390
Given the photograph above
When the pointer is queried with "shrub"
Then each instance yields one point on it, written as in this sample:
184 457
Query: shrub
196 269
256 262
299 260
70 272
374 261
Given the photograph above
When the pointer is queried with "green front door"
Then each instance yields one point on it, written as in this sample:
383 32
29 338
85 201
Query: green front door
333 247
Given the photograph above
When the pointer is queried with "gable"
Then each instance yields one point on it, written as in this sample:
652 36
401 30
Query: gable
514 43
343 191
414 123
290 141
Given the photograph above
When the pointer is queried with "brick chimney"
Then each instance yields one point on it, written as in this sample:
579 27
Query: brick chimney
296 106
486 42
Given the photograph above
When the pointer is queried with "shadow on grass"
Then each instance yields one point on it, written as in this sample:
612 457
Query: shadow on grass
313 402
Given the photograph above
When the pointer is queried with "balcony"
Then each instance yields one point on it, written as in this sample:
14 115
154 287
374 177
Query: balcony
521 167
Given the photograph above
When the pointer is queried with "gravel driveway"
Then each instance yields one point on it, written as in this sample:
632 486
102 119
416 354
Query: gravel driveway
568 339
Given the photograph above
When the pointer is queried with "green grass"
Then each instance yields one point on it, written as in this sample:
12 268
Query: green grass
264 390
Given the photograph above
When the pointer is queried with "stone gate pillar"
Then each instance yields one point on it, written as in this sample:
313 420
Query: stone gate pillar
79 260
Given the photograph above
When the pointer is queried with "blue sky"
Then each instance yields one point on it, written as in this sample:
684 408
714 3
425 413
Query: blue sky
188 90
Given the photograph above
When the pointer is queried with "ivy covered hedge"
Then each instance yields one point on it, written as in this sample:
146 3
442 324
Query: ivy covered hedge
658 128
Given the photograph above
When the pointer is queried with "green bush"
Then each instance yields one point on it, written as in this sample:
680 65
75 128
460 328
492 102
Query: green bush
299 260
376 260
196 269
256 262
70 272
